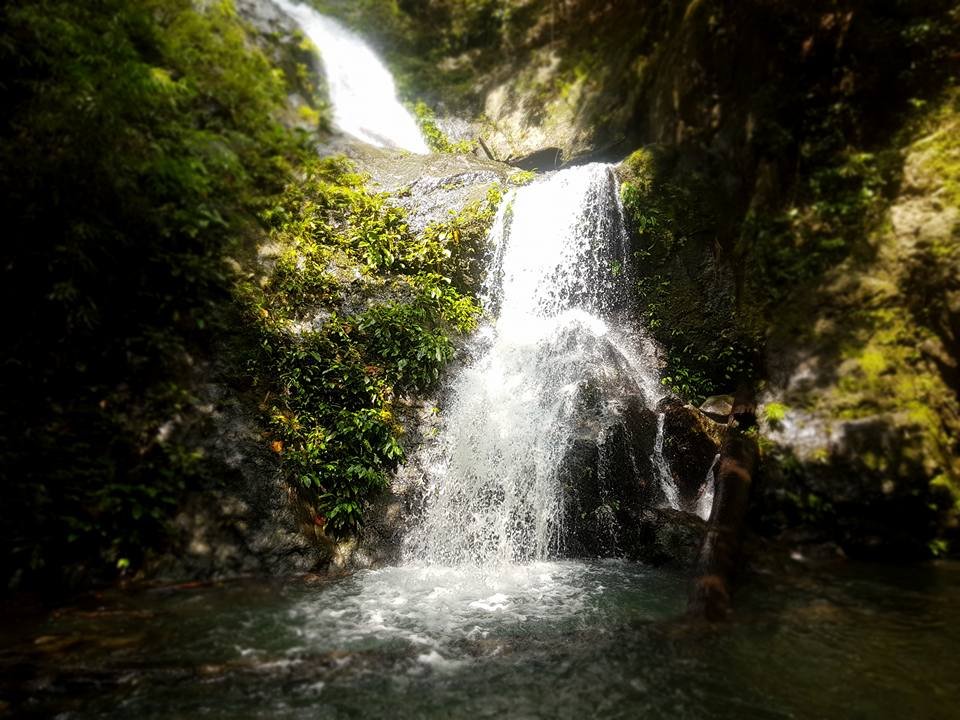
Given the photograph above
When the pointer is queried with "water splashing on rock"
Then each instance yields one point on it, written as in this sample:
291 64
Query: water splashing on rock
670 490
704 503
543 410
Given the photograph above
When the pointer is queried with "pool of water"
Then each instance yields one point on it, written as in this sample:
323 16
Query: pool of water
547 640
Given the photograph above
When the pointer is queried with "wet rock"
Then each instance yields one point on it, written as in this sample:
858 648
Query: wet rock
380 541
428 187
860 484
265 17
807 546
606 473
718 407
393 512
661 536
691 443
433 198
611 486
248 520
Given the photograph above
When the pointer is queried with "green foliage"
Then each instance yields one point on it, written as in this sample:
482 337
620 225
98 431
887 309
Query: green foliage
435 137
812 509
357 312
835 205
461 239
137 142
939 547
775 413
713 347
523 177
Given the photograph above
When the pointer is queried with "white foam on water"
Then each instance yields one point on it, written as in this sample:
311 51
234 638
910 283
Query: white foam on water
435 609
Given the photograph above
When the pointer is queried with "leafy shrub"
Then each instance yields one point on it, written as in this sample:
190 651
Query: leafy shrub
357 312
436 139
137 143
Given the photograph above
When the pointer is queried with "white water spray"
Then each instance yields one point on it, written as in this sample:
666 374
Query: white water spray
362 91
560 264
704 504
670 490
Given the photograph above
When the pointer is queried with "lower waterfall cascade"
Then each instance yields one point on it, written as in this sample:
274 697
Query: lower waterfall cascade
554 295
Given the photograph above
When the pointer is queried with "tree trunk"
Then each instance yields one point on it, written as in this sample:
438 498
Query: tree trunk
719 554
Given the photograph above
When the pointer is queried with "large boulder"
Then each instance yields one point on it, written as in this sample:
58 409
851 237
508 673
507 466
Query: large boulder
690 446
661 536
606 472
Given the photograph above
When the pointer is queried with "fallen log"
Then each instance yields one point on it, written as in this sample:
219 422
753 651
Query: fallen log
486 150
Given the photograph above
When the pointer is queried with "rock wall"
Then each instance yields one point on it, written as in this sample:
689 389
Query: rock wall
741 104
801 160
863 372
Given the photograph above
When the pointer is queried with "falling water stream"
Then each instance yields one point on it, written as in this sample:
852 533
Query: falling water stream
482 559
559 264
362 91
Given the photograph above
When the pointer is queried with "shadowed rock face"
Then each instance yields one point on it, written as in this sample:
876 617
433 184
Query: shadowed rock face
541 160
612 490
251 522
691 442
864 373
860 484
661 536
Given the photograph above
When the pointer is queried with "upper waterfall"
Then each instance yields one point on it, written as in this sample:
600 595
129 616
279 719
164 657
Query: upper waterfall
560 262
362 90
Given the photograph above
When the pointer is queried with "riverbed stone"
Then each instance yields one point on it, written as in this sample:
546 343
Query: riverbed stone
665 537
717 407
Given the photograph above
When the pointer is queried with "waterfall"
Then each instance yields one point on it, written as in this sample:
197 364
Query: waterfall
558 276
362 91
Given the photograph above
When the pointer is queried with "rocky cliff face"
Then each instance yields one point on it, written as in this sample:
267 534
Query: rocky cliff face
865 368
797 214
